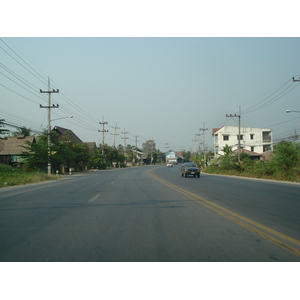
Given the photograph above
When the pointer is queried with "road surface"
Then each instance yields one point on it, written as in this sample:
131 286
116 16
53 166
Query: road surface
150 214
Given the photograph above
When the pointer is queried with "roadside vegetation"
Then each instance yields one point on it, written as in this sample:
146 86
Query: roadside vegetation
10 176
284 164
66 154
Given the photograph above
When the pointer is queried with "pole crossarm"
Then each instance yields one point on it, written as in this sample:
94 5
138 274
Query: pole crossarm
52 106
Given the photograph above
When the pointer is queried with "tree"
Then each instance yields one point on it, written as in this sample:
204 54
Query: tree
37 155
186 155
287 156
3 131
149 146
23 131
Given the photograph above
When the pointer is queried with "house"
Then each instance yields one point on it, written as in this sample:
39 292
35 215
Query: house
92 146
171 157
256 140
253 155
267 156
12 148
180 156
67 135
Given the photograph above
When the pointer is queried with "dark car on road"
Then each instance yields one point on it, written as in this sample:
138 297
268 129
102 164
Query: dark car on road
190 169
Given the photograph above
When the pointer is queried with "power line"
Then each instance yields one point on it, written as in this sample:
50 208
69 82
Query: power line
19 94
42 80
271 101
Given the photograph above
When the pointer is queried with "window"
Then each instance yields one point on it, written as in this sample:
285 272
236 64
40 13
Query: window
225 137
252 149
252 136
241 137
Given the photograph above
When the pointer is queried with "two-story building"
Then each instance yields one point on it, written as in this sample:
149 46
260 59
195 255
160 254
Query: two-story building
257 140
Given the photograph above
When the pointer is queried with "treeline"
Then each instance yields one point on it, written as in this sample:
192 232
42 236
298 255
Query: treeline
283 165
65 154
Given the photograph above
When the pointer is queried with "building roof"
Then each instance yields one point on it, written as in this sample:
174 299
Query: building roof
91 145
13 145
268 155
64 132
251 153
214 130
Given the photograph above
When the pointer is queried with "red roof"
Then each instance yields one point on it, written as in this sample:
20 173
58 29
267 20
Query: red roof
214 130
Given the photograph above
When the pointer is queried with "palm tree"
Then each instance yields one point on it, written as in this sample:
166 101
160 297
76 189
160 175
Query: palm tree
23 131
227 150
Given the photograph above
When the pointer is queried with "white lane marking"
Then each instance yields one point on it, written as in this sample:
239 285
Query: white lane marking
94 198
113 182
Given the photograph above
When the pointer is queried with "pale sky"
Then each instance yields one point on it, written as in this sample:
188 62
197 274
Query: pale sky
161 88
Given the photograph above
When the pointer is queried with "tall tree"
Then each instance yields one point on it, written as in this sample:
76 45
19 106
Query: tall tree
23 131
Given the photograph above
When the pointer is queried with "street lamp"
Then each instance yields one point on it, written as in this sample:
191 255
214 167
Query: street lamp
62 118
289 111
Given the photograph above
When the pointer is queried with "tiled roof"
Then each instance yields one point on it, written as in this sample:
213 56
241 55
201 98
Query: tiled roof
13 145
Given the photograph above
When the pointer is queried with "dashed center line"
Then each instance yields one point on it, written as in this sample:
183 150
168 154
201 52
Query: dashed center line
94 198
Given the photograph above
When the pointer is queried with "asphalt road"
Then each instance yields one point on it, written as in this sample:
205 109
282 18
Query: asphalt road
150 214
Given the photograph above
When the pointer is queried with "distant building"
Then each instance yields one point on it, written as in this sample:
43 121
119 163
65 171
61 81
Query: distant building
257 140
172 157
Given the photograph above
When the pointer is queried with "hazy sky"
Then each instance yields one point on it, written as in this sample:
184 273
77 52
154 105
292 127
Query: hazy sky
154 88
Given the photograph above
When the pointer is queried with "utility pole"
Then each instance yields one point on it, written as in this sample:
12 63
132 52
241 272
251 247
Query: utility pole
198 134
49 118
239 136
124 138
114 134
136 136
103 131
203 129
167 147
136 140
195 145
152 150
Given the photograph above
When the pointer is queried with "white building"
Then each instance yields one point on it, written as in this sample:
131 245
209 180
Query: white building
171 157
253 139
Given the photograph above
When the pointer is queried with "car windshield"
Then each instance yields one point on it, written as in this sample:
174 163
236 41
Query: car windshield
190 165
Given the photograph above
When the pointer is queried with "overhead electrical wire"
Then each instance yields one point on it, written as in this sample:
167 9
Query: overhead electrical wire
82 114
42 79
37 95
274 99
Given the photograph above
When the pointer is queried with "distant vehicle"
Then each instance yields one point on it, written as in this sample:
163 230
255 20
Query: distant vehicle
169 165
189 169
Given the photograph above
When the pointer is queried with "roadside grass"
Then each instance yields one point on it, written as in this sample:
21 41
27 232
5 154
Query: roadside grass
263 174
10 176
